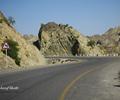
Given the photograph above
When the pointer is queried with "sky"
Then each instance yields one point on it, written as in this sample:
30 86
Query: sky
87 16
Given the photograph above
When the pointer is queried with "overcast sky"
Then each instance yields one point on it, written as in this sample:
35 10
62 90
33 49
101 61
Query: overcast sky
87 16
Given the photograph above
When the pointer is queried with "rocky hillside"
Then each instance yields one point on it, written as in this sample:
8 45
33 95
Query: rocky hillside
30 38
64 40
28 54
110 40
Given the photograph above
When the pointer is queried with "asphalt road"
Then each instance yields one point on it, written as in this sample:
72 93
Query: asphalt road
78 81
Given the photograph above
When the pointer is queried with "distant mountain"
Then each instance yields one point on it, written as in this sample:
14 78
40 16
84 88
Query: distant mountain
21 53
110 40
64 40
30 38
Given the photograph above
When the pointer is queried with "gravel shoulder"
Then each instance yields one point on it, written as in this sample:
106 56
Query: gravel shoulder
50 63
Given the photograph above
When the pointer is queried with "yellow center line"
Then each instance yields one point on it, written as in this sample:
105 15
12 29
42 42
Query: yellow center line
70 85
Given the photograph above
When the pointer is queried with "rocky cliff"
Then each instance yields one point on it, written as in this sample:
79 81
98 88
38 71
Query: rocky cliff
27 53
110 40
64 40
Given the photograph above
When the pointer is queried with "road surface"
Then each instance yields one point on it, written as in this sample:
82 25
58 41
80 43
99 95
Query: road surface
92 79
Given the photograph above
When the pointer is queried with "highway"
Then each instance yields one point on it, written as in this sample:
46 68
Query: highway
92 79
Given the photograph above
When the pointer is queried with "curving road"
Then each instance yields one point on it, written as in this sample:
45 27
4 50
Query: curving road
92 79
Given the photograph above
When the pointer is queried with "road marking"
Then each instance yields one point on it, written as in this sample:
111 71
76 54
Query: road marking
70 85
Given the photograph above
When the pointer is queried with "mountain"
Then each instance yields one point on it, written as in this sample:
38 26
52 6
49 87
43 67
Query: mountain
64 40
30 38
21 53
110 40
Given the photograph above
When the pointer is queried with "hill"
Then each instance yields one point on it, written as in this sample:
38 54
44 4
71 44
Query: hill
26 55
64 40
110 40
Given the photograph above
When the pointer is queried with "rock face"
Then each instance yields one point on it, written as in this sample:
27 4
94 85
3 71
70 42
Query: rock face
29 55
110 40
64 40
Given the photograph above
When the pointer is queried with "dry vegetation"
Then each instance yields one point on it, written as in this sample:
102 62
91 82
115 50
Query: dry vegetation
28 54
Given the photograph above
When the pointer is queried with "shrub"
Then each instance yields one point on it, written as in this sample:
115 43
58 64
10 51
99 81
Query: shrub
91 43
66 25
17 61
11 20
13 51
1 20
